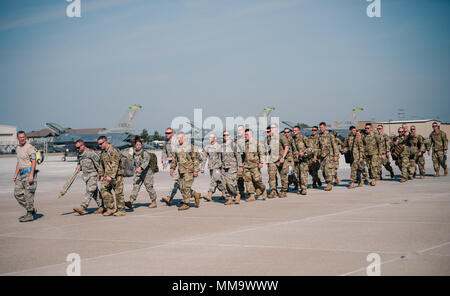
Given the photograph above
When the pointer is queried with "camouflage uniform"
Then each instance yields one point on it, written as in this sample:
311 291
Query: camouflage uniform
372 151
420 160
212 154
230 161
187 160
277 144
253 156
302 145
439 143
315 166
403 160
111 166
328 150
413 147
89 162
23 190
240 145
142 160
355 145
385 147
292 174
166 153
340 145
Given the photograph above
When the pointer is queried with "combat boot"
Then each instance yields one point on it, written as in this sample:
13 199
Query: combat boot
351 186
298 191
152 205
283 194
272 194
99 210
445 171
129 204
314 185
27 218
109 212
119 214
238 198
319 182
437 174
258 192
251 198
403 180
166 200
80 210
229 201
336 181
208 197
409 177
373 183
303 192
361 183
197 199
329 187
421 177
264 195
378 178
183 207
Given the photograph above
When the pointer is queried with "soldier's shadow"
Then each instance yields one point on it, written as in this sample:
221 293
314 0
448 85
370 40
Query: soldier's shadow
38 216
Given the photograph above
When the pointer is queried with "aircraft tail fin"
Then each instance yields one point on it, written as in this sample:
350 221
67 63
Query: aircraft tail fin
126 123
56 128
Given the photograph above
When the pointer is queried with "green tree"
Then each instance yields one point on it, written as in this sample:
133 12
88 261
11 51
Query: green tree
157 137
145 136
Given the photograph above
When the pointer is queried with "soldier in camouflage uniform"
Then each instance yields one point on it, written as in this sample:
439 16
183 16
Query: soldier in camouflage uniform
231 162
211 154
292 177
111 176
239 142
415 146
166 159
439 143
385 146
25 177
89 163
353 144
329 154
143 175
340 145
314 166
186 159
373 152
362 164
276 159
421 148
253 162
402 160
302 157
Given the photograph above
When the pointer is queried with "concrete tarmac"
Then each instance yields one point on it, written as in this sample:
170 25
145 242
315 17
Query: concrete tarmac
323 233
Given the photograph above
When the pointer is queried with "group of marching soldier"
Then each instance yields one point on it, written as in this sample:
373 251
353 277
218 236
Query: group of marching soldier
235 165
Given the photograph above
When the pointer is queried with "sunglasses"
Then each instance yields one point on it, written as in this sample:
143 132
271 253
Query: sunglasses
379 128
168 133
78 148
413 129
367 128
100 144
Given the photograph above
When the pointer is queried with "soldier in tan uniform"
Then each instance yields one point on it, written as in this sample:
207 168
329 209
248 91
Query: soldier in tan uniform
385 145
340 145
353 145
315 163
231 163
400 154
166 159
253 162
89 164
421 148
329 154
303 156
25 176
186 159
111 176
415 146
439 143
239 142
211 154
276 159
373 152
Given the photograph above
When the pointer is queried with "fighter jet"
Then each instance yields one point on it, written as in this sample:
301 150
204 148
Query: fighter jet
121 136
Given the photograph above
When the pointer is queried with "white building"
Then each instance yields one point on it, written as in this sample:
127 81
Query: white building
8 139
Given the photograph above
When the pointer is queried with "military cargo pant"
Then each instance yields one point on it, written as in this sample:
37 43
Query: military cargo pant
92 191
328 167
421 164
229 181
240 182
372 163
174 185
282 169
362 170
412 166
106 190
214 182
384 161
146 178
24 191
314 170
336 167
301 171
186 180
403 163
354 169
253 178
438 158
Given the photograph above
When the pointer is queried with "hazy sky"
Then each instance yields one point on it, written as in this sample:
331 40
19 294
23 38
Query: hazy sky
314 60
